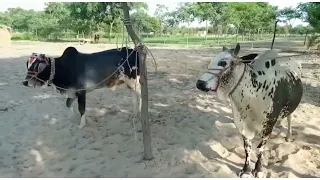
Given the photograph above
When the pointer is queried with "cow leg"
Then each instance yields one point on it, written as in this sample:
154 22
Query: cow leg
278 123
289 132
82 109
258 173
246 172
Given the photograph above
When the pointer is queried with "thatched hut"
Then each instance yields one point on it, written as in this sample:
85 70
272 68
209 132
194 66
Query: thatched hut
5 35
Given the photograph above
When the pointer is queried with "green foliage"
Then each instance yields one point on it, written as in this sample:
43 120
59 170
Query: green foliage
23 36
145 23
66 20
310 12
313 40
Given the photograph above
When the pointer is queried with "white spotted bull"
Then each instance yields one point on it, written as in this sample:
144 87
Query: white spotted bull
261 92
76 74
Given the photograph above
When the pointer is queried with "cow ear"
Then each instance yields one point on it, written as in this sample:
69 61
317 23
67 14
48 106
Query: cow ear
224 48
248 58
236 50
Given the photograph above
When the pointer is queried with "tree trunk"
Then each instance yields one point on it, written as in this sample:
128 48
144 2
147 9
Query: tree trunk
256 35
289 35
237 33
144 117
305 39
218 33
243 33
188 34
226 33
110 30
274 33
206 36
37 34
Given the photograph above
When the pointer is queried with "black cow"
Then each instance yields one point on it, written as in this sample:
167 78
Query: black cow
76 74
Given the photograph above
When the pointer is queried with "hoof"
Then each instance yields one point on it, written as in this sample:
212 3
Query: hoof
72 116
245 175
288 139
259 175
81 126
134 117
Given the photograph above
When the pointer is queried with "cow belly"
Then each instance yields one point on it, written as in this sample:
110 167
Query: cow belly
248 126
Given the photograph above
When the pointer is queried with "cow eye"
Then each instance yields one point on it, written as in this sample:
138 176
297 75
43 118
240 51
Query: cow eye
222 63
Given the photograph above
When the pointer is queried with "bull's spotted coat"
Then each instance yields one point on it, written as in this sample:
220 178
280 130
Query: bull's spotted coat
260 93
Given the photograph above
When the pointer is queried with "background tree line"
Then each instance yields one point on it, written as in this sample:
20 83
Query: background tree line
244 20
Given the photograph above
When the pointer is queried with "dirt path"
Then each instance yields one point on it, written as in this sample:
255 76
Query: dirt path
192 133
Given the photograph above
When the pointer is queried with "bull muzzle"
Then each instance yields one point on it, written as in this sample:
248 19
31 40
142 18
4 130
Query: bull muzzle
25 83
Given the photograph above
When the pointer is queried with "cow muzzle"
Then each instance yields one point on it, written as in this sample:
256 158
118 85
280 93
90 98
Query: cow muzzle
202 85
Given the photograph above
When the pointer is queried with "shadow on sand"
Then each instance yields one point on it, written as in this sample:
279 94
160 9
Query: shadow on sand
185 123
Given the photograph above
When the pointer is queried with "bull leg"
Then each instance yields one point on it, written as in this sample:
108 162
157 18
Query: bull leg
135 89
134 101
69 104
246 172
82 109
140 100
289 132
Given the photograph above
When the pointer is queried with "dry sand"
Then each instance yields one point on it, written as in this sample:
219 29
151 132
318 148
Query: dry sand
192 133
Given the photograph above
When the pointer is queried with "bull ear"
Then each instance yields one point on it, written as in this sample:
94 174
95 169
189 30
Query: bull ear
236 50
224 48
41 67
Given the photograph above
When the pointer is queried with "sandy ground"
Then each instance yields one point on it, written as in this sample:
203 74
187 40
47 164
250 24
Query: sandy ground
192 133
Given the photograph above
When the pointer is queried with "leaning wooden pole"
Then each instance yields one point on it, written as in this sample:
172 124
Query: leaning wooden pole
144 116
274 32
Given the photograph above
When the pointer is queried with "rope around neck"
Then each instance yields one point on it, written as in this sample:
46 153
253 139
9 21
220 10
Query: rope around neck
93 87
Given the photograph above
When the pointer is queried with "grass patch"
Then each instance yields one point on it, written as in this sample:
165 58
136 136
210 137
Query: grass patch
163 40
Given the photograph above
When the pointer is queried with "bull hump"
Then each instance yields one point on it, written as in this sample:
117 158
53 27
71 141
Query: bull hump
69 52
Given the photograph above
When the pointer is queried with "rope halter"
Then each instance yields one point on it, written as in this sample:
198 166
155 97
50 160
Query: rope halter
36 71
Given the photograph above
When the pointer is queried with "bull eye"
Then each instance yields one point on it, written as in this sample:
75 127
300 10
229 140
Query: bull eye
222 63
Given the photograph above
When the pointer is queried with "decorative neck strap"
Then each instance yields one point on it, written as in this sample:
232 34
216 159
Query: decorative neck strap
238 82
53 70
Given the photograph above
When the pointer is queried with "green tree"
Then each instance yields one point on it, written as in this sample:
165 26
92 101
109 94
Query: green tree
184 14
310 12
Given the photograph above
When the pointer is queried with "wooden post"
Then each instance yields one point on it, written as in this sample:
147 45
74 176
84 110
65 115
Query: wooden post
144 117
274 33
